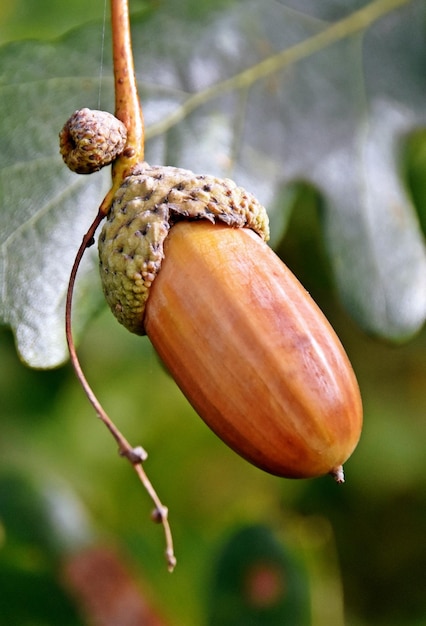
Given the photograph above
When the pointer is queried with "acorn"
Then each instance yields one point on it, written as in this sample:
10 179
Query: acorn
90 140
184 259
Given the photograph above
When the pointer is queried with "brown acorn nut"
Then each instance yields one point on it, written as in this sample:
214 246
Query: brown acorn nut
242 338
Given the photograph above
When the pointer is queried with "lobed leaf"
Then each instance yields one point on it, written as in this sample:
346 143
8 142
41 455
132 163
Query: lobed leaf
264 92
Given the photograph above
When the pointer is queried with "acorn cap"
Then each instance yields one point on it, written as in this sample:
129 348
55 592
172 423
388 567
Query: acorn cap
148 203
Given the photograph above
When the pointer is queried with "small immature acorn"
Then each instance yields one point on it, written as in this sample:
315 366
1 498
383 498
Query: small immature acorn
91 139
184 259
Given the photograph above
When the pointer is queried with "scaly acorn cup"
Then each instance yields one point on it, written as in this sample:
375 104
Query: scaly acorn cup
184 259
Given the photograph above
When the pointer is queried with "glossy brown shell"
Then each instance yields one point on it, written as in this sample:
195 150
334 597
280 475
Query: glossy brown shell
252 352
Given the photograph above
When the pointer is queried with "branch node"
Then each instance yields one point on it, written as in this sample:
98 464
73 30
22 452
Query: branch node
134 455
171 560
160 514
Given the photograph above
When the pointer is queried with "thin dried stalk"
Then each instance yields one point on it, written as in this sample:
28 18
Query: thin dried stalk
129 111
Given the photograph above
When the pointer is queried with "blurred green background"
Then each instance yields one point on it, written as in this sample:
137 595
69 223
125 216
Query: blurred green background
252 549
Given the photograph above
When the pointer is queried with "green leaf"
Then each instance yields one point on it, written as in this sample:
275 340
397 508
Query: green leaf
45 208
264 92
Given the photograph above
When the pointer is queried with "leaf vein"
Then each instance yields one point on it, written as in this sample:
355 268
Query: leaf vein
344 28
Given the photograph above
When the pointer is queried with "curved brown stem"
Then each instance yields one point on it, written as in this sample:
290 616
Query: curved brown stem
128 110
86 243
137 455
